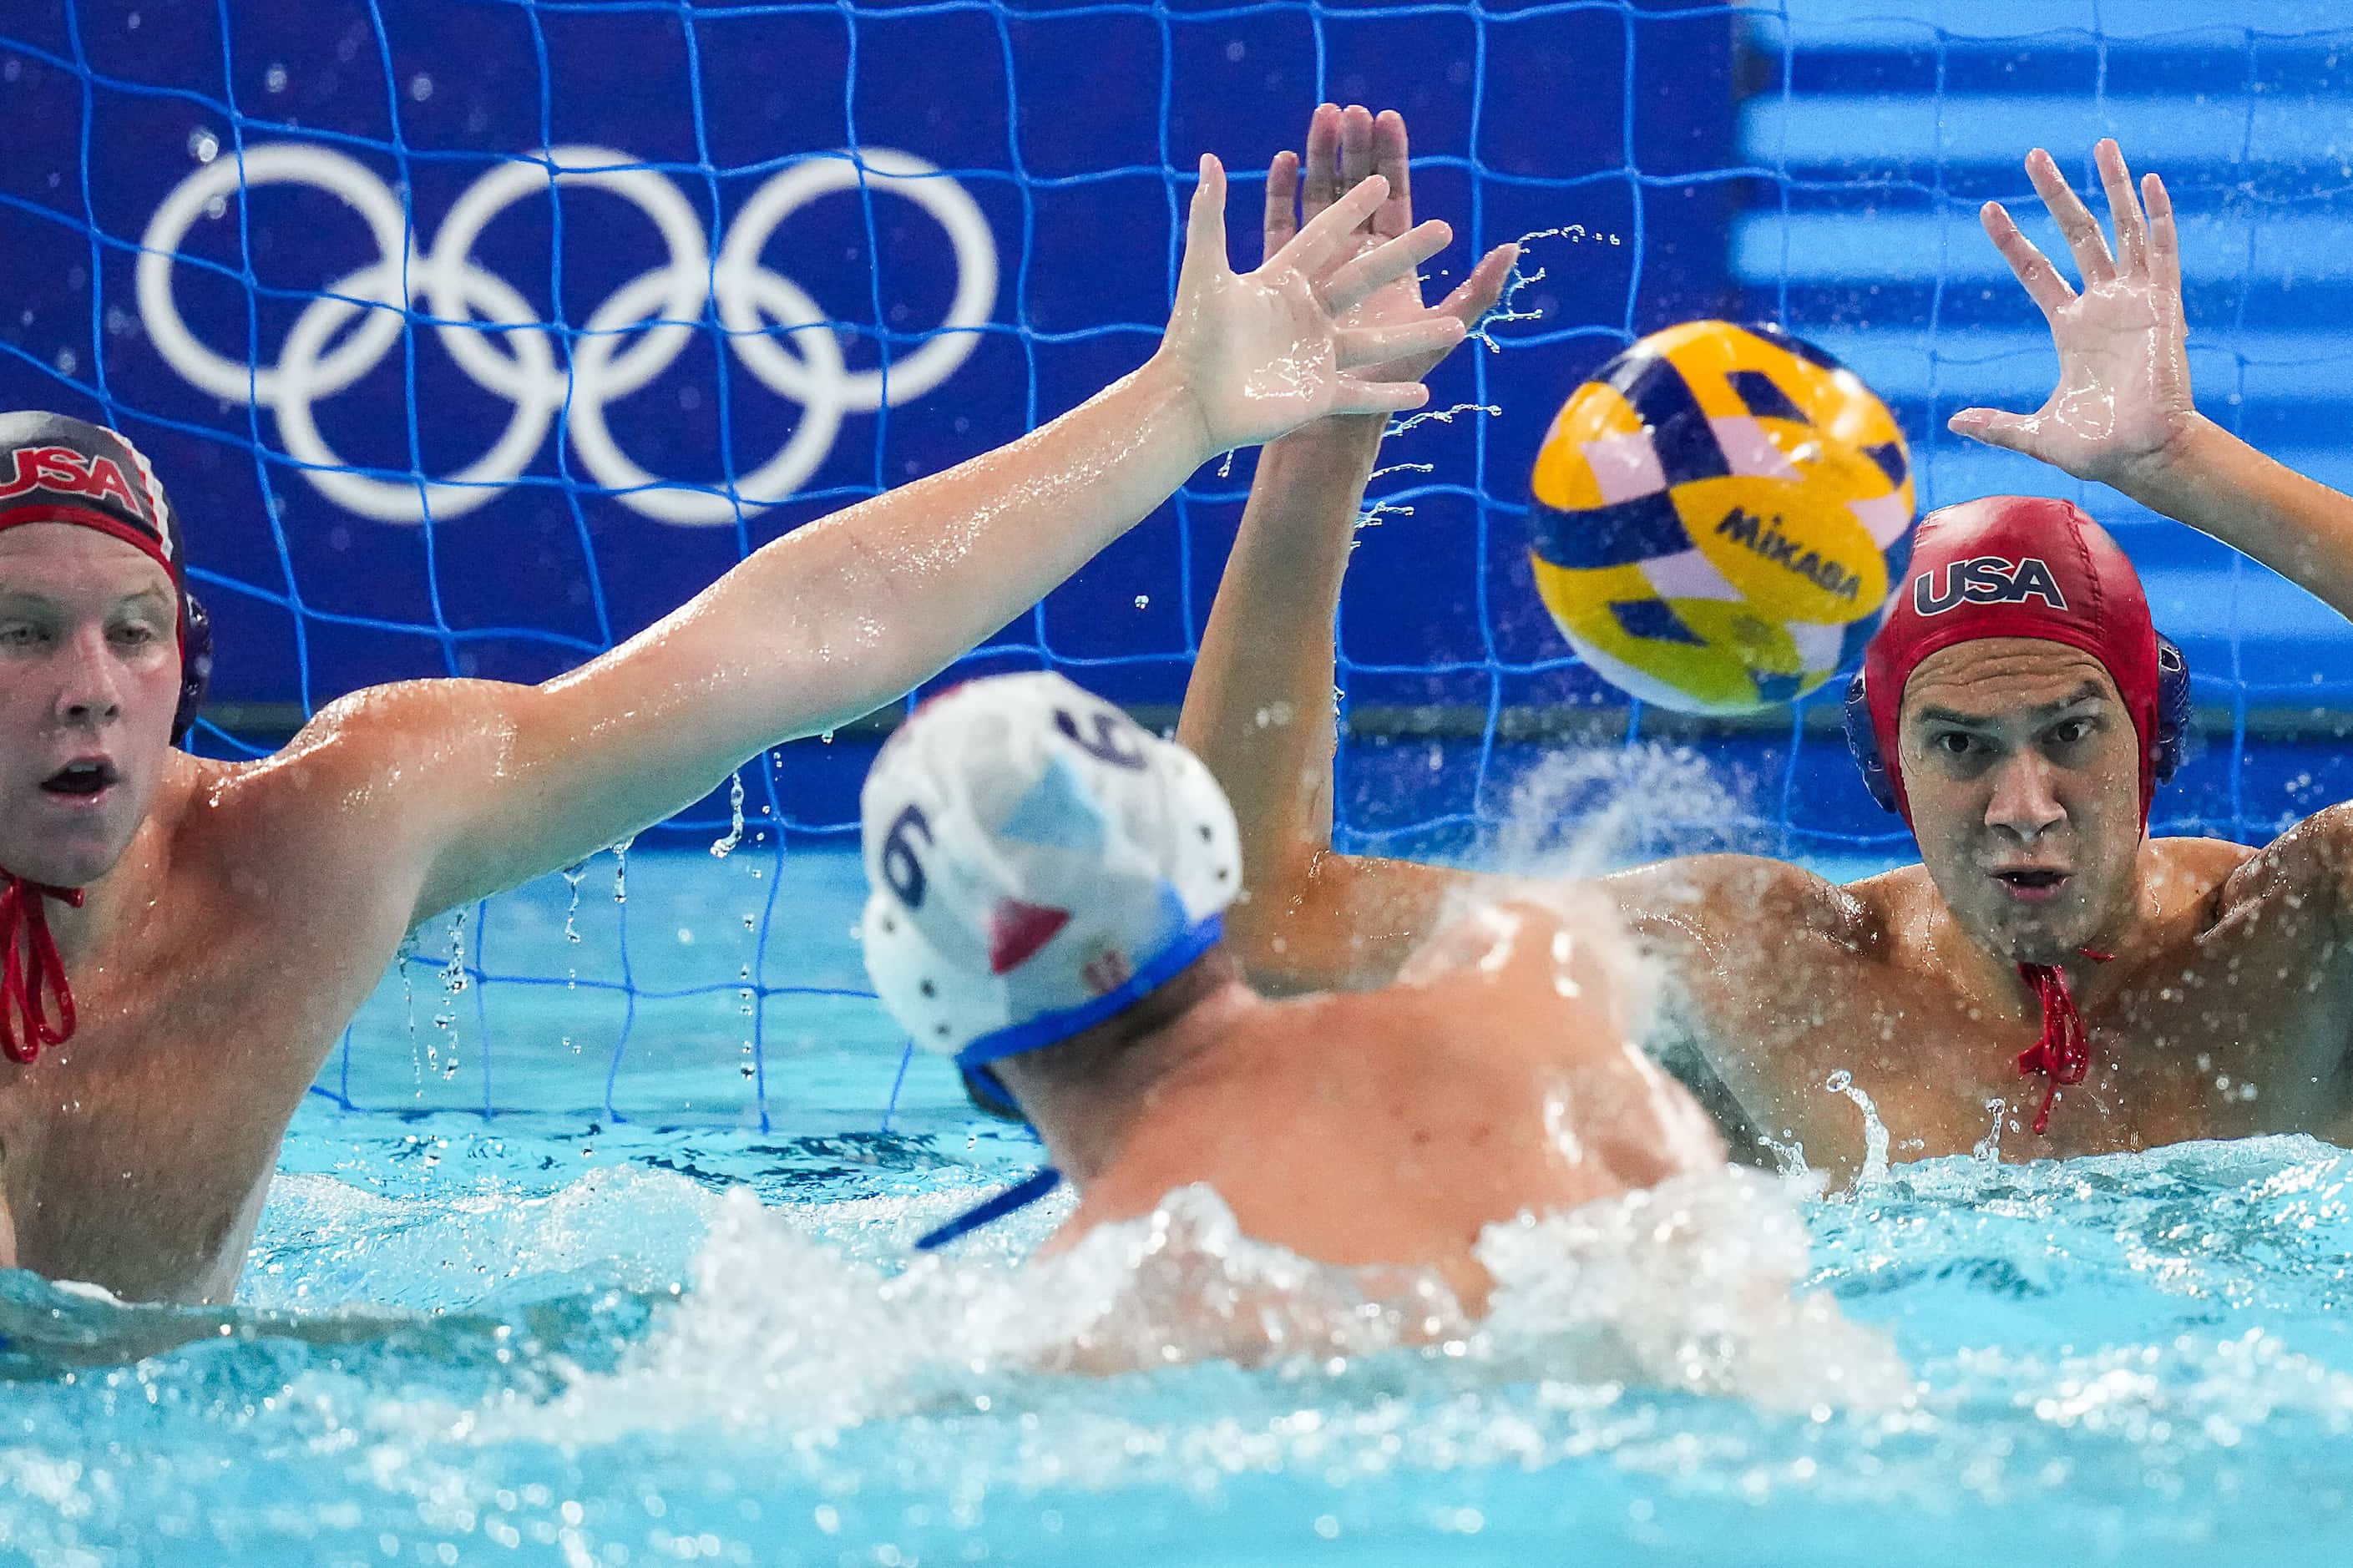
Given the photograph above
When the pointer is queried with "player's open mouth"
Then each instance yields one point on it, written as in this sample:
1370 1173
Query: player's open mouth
85 780
2033 885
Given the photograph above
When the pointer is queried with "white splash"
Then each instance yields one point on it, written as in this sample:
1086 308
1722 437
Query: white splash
1688 1286
1989 1148
1506 308
1875 1131
1443 415
1582 813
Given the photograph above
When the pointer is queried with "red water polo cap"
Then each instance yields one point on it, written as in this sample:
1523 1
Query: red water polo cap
57 468
2016 566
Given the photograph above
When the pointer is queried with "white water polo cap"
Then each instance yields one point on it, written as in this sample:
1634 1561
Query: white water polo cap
1039 862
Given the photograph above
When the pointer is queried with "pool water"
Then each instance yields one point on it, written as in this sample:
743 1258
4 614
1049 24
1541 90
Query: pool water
663 1318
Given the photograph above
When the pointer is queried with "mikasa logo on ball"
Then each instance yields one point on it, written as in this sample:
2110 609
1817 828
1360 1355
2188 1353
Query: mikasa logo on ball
1745 529
1986 580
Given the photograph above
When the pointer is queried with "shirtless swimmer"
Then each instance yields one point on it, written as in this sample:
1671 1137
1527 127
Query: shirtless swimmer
2113 991
1048 886
185 938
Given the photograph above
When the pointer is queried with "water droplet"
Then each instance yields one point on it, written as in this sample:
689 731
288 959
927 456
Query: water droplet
722 847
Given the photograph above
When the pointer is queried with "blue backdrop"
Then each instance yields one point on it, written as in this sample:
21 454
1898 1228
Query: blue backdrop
1068 131
395 300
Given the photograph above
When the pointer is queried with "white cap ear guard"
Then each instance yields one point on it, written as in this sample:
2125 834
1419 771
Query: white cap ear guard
1039 862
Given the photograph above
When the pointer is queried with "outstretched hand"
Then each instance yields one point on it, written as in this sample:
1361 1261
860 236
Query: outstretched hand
1345 148
2123 403
1261 353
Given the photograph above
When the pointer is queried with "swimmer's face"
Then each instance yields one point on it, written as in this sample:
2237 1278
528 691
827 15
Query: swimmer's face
90 677
2023 768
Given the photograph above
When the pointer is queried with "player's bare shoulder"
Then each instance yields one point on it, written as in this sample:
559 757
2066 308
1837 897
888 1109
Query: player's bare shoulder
2198 868
2310 864
321 811
1735 912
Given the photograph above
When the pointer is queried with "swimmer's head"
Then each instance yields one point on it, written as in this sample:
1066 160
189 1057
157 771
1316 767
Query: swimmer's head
2019 697
101 653
1040 864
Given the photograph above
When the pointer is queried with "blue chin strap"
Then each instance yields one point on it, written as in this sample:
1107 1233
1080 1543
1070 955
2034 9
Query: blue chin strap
2172 725
1018 1196
1052 1028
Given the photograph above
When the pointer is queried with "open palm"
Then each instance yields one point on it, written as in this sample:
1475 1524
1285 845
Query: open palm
1263 352
1345 149
2122 397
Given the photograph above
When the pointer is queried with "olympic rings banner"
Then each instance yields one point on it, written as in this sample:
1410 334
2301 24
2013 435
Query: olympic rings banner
498 340
471 336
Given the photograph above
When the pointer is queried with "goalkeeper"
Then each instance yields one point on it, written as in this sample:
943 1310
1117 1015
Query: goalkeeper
184 940
2180 988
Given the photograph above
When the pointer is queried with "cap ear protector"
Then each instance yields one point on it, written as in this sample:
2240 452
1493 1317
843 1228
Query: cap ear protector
989 1095
196 664
2172 725
2172 743
1863 744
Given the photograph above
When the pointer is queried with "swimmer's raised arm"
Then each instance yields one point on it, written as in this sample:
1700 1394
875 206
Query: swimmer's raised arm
2122 413
485 784
1259 714
1259 708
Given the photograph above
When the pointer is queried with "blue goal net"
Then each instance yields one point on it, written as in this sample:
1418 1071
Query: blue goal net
473 335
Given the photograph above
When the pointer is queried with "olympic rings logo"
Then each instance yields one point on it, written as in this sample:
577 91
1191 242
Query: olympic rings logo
499 341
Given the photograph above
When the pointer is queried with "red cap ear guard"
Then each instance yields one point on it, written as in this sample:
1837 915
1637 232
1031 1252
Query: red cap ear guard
2018 566
196 663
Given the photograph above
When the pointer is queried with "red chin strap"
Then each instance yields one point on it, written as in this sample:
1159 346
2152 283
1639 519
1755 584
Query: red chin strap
37 1006
2064 1054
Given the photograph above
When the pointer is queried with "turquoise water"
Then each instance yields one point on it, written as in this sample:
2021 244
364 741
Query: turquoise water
562 1336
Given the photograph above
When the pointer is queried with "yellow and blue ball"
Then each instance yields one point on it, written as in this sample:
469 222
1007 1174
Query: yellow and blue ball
1719 513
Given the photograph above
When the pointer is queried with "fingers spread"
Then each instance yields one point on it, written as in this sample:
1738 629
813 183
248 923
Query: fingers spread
2044 285
1353 284
1322 188
2124 208
2164 243
1994 427
1356 144
1358 347
1350 396
1476 295
1330 234
1390 158
1204 228
2084 241
1282 198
